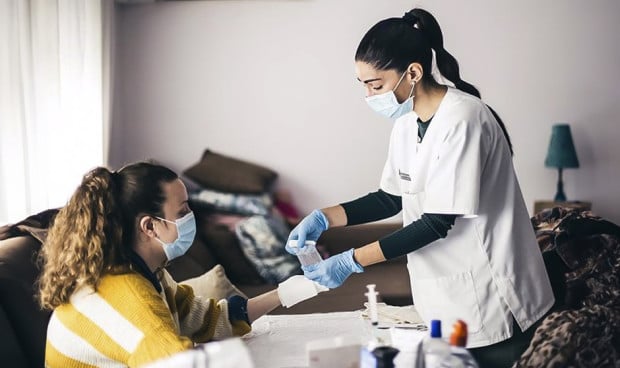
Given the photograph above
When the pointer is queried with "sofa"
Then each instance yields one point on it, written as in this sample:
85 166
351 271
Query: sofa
23 324
581 253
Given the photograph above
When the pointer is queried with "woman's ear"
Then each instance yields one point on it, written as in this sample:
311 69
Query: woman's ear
146 226
414 72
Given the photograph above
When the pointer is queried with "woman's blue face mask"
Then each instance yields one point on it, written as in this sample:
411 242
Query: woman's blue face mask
186 231
387 105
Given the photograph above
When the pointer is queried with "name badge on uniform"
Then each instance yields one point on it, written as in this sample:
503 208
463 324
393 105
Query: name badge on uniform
404 176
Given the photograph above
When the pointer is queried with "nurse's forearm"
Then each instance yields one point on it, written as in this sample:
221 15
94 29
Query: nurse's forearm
336 216
369 254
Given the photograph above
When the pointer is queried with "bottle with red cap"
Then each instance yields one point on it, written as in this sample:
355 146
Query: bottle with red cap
459 357
458 337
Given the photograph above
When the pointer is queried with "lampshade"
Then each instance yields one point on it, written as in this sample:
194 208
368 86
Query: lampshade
561 153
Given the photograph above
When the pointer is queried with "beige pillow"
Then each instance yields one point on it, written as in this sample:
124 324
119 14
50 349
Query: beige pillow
213 284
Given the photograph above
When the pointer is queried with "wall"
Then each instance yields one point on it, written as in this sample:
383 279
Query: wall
273 82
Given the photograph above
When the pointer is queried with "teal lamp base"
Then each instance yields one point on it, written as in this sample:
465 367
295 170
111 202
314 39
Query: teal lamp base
559 195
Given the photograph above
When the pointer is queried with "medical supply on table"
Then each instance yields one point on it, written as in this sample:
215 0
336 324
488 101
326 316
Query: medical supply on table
229 353
297 289
434 348
458 337
367 357
384 356
308 254
407 316
372 304
459 356
333 352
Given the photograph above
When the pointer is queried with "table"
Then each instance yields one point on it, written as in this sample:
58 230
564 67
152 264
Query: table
279 341
582 206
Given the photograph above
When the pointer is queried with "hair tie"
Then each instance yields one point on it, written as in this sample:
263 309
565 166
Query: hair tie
115 177
411 20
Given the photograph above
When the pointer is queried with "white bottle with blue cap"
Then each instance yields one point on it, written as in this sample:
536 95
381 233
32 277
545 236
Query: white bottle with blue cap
435 349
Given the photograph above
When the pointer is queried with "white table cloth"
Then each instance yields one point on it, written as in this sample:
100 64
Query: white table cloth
279 341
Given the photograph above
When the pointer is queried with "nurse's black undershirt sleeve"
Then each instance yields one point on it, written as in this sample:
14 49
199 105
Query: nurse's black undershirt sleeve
380 205
427 229
372 207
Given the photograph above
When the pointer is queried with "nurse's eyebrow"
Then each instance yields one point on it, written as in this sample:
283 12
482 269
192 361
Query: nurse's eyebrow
368 80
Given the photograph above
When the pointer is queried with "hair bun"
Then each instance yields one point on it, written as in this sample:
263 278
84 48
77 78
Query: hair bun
411 19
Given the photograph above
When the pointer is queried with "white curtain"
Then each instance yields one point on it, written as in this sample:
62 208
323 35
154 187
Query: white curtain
51 101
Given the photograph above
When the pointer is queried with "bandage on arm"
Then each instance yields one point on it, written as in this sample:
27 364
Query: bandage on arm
297 289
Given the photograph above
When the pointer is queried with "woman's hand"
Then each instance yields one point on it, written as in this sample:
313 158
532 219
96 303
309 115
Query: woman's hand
333 271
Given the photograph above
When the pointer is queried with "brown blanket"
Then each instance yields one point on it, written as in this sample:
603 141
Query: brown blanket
582 253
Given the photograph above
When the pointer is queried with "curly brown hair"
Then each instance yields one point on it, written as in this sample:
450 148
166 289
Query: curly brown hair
95 232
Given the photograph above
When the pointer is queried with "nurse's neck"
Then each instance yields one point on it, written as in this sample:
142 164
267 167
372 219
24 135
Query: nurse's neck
428 99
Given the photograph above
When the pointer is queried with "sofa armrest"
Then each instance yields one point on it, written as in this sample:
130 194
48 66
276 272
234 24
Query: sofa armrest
340 239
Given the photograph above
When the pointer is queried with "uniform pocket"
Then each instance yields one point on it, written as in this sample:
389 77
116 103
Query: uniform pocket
449 298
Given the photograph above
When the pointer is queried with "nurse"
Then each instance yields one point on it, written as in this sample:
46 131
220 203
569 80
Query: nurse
471 249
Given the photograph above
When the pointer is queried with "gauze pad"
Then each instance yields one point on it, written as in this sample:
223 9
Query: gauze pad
297 289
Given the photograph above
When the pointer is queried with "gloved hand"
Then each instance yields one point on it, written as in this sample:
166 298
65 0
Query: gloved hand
310 228
332 271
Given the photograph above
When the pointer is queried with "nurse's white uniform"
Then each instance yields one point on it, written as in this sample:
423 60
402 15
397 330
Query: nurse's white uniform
489 268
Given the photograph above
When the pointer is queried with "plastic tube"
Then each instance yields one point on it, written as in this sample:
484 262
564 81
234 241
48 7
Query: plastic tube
372 303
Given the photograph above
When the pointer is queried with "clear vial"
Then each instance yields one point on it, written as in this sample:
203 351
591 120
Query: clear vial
308 254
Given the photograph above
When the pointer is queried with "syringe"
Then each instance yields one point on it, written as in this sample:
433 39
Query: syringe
372 304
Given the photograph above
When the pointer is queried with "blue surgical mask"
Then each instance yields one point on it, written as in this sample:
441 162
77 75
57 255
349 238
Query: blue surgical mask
387 105
186 230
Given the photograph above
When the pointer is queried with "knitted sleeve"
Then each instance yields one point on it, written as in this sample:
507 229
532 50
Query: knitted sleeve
201 319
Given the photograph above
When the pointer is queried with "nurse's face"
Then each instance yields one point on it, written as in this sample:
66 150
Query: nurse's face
377 81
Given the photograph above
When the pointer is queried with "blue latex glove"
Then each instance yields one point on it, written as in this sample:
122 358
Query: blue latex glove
310 228
334 270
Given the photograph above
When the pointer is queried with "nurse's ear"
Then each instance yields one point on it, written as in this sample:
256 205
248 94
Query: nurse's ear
414 73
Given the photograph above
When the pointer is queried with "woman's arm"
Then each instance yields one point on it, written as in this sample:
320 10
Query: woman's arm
262 304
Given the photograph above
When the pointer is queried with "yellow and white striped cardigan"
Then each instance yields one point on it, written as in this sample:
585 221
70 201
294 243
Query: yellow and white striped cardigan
126 322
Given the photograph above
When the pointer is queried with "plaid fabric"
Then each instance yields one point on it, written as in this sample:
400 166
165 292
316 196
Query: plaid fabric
262 240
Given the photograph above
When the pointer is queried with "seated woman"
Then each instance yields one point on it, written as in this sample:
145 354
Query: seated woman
103 275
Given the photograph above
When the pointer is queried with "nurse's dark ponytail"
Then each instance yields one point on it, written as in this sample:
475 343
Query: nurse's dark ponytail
446 63
394 43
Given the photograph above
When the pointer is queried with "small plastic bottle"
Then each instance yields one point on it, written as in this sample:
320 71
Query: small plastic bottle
459 356
384 356
435 349
458 337
307 254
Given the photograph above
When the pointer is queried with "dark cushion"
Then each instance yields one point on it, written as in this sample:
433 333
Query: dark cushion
224 245
231 175
11 353
18 272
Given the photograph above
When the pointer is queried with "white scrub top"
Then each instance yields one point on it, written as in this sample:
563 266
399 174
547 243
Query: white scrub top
489 267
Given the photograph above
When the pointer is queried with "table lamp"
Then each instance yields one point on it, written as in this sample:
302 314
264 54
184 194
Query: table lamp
561 155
